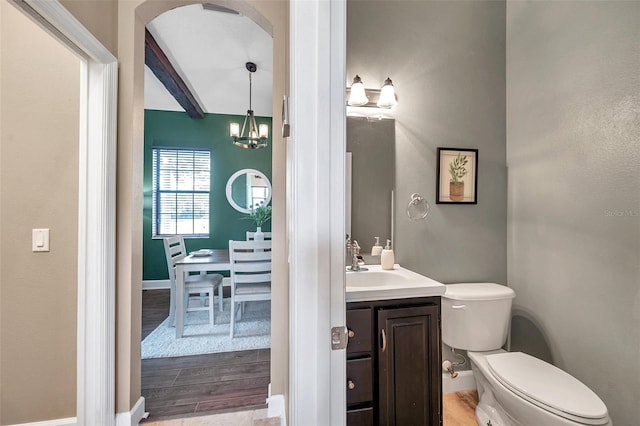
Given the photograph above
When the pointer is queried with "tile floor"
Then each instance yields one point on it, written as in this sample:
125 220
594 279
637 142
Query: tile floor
237 418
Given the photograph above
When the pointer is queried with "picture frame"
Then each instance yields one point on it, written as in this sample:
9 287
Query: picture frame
457 176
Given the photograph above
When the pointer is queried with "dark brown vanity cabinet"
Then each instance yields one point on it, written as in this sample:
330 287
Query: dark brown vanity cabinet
393 362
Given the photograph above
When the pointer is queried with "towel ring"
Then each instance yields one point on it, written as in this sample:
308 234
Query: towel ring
418 208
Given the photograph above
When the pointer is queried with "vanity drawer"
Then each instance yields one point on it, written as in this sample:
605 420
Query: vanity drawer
359 380
360 328
360 417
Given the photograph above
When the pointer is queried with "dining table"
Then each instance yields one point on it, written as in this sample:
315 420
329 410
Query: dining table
216 261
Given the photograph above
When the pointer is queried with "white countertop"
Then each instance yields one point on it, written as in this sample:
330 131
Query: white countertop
379 284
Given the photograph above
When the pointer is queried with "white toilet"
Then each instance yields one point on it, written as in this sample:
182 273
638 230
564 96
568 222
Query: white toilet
514 388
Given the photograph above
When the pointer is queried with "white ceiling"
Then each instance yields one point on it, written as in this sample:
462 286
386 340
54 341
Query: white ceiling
209 50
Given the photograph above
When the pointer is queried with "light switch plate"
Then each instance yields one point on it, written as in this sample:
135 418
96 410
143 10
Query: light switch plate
40 240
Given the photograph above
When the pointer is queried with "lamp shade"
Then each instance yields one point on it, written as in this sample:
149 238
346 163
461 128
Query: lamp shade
357 97
387 97
234 129
263 130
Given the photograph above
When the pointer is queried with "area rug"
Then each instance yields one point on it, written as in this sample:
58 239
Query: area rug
253 331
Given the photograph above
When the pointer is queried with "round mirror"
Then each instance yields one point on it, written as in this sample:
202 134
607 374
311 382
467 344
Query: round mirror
248 188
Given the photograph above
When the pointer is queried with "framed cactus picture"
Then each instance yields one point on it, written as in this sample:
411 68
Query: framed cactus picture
457 178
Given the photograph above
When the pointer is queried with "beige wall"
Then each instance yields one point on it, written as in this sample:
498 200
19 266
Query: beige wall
40 81
99 17
132 16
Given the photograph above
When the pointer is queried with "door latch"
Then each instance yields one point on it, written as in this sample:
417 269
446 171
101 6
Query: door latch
339 338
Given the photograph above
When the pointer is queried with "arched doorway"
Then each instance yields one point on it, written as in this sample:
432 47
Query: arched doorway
195 84
133 17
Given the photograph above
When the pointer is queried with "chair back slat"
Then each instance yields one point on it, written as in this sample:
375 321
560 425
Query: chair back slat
252 256
249 245
252 267
252 278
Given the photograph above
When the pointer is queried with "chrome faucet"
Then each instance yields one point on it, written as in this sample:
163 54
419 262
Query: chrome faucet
353 254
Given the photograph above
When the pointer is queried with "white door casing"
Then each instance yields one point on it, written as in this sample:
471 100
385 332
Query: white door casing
316 162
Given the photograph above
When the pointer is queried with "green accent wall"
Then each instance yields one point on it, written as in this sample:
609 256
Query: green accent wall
178 130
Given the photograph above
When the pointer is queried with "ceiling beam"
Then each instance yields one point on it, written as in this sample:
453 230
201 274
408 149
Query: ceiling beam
160 65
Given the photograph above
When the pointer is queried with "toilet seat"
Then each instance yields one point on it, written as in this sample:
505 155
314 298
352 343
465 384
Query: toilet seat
548 387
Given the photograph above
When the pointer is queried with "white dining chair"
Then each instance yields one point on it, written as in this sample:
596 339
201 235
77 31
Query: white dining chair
251 235
250 263
194 284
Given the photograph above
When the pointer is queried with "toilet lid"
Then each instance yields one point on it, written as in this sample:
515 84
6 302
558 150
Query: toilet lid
548 387
478 291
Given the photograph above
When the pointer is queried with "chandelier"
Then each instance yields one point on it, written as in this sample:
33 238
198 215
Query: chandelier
251 136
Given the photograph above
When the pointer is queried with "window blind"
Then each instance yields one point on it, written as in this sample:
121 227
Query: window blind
181 188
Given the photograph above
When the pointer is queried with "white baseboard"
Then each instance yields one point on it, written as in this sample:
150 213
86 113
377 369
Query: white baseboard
69 421
133 417
155 284
276 407
464 381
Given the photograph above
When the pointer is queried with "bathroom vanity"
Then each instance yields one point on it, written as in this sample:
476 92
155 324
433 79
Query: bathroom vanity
394 349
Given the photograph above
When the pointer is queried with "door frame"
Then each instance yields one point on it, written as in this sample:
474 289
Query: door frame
316 165
96 209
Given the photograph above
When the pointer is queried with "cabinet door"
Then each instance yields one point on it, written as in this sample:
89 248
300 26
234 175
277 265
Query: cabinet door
408 366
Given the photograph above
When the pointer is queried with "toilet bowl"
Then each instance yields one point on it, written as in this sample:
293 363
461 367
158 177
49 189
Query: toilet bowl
513 388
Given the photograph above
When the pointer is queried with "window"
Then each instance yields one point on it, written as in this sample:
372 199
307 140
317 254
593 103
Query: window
181 182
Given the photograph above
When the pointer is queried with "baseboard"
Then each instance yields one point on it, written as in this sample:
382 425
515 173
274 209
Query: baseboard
464 381
276 408
155 284
133 417
69 421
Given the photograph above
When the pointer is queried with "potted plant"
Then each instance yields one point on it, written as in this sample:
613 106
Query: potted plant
457 170
260 214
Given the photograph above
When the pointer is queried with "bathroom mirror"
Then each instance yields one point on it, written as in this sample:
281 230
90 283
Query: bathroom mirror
370 179
247 188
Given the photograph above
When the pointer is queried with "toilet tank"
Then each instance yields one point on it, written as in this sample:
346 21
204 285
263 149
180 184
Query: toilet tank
476 316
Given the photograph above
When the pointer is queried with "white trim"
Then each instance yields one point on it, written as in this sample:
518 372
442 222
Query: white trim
133 417
156 284
464 381
276 407
336 176
316 157
69 421
96 210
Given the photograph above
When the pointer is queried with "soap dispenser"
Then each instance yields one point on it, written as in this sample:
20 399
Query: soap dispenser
387 258
377 248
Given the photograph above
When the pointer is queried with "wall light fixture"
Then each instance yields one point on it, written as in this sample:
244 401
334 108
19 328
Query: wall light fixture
358 95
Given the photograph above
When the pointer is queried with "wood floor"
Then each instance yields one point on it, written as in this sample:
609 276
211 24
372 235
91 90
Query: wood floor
200 384
459 408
